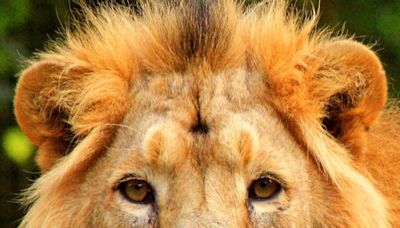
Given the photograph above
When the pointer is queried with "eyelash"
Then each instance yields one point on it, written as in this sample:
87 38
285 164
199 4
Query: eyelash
124 179
274 177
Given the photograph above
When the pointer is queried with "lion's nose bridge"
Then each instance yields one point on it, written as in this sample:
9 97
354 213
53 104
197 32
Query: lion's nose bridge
211 204
225 203
220 201
184 211
205 217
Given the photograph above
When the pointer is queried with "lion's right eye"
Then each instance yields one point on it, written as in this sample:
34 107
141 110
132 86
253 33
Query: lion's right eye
264 189
137 191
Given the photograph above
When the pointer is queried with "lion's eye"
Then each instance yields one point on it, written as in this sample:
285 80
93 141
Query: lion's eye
137 191
264 189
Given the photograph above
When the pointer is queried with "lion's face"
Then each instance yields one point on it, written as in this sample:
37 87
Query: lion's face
202 114
204 158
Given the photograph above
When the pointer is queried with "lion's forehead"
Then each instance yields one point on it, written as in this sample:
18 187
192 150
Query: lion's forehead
225 133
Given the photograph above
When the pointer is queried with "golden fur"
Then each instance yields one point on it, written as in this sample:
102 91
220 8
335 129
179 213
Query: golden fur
123 93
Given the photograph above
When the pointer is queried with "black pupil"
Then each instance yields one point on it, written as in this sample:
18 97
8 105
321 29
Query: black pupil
264 183
138 186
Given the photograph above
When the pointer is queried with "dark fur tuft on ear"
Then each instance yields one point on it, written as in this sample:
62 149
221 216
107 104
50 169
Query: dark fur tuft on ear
57 105
351 87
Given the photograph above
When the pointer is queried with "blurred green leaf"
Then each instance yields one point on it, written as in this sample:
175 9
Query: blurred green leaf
388 18
13 13
4 60
17 146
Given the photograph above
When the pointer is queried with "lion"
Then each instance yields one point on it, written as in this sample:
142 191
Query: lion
209 114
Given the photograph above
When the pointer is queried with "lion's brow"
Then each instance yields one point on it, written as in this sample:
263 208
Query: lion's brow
165 147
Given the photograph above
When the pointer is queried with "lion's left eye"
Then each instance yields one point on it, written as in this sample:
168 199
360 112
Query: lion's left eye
137 191
264 189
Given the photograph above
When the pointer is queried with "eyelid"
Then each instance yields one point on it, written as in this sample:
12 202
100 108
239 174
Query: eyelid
274 177
127 177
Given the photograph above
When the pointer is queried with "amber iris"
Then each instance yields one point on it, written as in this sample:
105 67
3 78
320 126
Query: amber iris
264 189
137 191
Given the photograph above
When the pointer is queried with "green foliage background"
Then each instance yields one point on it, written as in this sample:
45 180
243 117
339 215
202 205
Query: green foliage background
26 25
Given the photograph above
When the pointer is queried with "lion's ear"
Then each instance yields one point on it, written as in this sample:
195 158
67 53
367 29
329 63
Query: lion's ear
351 88
58 103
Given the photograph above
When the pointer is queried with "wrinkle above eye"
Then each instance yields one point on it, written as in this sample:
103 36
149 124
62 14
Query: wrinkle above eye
236 142
167 146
